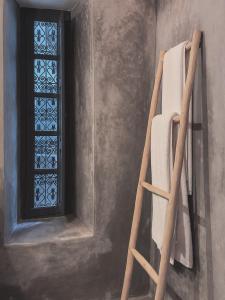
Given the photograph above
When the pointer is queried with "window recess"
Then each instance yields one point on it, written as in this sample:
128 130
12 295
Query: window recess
42 103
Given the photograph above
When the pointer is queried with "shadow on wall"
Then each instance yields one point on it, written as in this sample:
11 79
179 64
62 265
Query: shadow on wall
7 292
207 219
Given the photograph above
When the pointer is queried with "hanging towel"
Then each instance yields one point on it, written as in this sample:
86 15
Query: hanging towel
162 154
173 81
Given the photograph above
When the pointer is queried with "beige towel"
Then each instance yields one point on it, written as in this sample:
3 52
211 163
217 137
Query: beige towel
162 160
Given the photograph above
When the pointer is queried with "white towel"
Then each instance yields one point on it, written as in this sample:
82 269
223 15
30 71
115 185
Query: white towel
173 81
162 137
161 156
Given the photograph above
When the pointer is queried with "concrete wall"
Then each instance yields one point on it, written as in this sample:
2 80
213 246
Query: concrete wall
1 118
175 22
84 111
114 61
10 115
122 67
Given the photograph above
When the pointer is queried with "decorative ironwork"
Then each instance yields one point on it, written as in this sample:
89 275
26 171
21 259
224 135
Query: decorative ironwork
45 76
45 114
46 152
45 38
45 190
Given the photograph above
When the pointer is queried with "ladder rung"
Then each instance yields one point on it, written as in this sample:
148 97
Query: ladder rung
145 265
155 190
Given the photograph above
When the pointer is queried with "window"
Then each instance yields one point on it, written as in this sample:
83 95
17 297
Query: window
43 112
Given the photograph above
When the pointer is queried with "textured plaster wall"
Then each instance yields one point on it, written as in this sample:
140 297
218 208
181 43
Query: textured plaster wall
114 63
1 119
84 110
175 22
10 115
116 70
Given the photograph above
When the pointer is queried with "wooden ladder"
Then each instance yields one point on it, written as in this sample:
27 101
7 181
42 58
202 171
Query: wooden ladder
160 278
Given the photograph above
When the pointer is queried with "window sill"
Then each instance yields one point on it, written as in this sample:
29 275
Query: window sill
52 230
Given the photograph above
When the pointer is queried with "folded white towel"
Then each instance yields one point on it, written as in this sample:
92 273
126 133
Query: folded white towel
162 154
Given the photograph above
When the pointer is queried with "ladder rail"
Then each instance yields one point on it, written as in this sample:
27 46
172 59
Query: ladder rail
179 156
160 279
142 176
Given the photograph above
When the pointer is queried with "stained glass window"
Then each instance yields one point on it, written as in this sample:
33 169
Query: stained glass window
45 76
45 38
46 112
45 190
46 152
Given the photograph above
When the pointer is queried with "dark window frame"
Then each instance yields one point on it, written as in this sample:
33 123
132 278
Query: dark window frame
26 105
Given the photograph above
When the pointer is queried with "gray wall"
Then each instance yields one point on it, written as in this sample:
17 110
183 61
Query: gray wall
113 89
115 59
175 22
84 111
10 115
1 119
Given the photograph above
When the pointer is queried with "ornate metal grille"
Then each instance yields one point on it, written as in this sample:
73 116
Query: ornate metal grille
45 38
45 76
46 152
46 114
45 190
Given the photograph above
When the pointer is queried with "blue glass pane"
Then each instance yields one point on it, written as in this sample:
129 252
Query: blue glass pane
46 152
45 76
45 190
45 114
45 38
